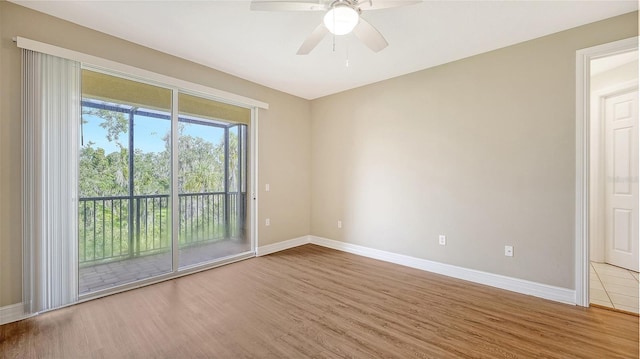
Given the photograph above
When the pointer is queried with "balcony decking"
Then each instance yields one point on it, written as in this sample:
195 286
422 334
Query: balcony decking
100 276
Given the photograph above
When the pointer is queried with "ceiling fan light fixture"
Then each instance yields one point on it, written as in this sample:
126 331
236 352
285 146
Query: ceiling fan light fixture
341 19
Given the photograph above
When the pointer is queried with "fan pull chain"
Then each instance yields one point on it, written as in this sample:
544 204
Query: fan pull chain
346 64
334 35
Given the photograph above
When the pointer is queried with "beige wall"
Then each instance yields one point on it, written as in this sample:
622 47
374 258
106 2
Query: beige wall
481 150
283 140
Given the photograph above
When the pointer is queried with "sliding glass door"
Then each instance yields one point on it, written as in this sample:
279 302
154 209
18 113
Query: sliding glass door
211 182
124 182
127 209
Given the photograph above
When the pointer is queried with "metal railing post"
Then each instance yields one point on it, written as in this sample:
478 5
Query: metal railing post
130 224
131 183
137 224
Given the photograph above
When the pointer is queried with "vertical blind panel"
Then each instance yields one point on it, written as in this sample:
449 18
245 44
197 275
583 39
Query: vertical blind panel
51 118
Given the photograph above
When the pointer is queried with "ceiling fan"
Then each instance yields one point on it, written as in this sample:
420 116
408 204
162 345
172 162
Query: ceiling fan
341 18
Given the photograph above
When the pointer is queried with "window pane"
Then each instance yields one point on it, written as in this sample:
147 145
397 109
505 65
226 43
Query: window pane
124 208
209 181
209 109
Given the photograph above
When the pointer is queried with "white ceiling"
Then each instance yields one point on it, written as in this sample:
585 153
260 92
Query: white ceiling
261 46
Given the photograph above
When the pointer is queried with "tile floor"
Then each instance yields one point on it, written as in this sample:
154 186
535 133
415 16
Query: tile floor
614 287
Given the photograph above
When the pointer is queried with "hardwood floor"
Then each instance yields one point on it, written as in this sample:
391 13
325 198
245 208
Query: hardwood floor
316 302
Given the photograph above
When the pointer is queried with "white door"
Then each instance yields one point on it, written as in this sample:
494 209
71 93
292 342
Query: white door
621 171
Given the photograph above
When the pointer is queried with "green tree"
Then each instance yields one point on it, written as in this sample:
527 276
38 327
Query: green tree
200 165
200 170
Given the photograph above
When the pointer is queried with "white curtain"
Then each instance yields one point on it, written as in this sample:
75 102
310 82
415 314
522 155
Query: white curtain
51 118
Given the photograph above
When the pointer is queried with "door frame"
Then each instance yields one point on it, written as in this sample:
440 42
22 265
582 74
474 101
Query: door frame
582 196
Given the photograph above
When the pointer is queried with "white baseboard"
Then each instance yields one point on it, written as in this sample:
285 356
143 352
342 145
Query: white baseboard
495 280
12 313
280 246
522 286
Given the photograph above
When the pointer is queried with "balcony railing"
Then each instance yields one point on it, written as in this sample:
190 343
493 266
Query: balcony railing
120 227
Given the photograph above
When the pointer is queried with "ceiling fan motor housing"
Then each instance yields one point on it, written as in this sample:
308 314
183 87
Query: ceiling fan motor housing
342 17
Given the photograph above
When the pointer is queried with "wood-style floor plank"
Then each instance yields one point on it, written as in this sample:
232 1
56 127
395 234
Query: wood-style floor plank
315 302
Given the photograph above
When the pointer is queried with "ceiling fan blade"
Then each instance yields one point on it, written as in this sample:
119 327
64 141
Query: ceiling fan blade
384 4
370 36
313 40
287 6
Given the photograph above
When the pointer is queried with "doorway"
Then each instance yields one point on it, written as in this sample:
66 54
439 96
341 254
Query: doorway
607 174
613 176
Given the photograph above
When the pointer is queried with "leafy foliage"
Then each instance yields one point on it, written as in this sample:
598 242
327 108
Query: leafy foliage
200 168
104 230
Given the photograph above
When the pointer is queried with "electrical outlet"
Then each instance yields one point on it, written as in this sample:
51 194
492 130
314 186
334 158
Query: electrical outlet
267 222
442 239
267 188
508 251
339 224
